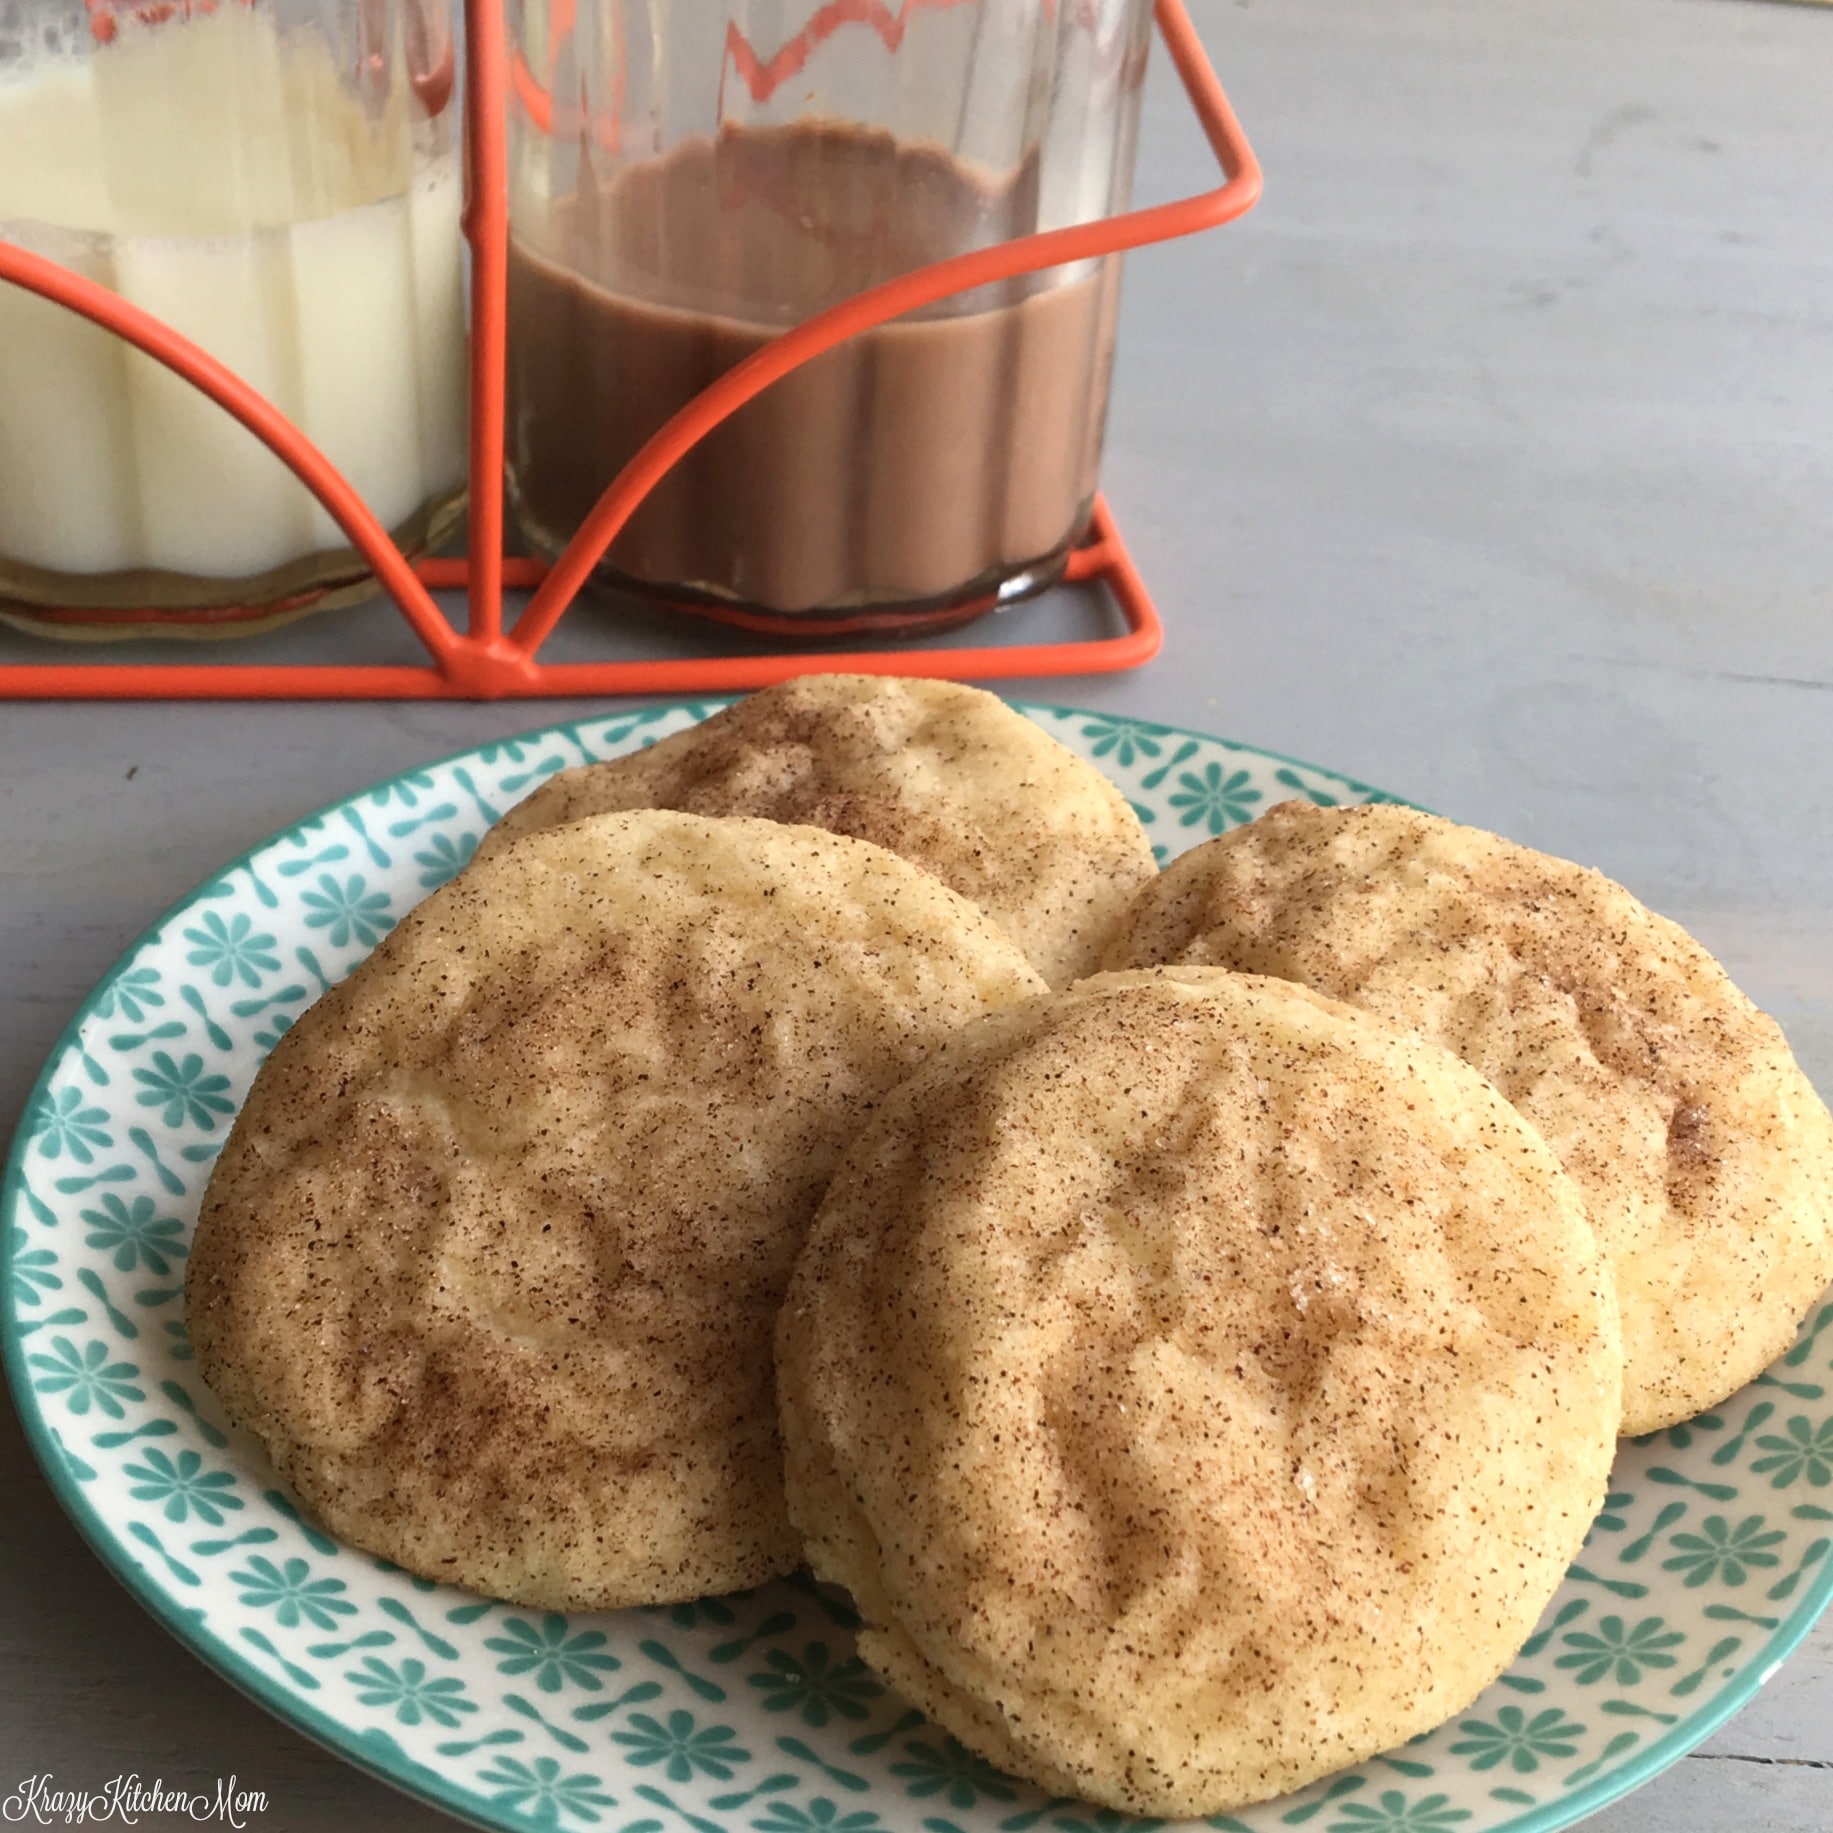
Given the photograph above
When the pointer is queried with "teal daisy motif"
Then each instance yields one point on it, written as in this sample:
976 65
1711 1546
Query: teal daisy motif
292 1593
682 1750
540 1791
1122 740
819 1816
1724 1552
1222 799
1394 1813
183 1091
29 1269
1106 1820
1618 1650
61 1123
815 1685
552 1656
269 1035
406 789
409 1692
691 1616
135 1234
183 1487
347 910
1806 1452
232 951
444 858
1517 1740
952 1771
1610 1518
501 750
131 994
1289 778
86 1377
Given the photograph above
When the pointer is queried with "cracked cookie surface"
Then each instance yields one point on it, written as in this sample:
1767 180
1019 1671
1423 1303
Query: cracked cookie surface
1199 1385
1703 1153
492 1257
946 776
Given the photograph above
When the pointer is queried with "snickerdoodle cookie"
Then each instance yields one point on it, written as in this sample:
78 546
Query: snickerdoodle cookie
492 1257
1199 1384
1703 1153
947 776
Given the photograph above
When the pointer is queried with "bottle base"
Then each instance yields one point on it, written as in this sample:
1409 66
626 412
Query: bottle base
118 607
989 591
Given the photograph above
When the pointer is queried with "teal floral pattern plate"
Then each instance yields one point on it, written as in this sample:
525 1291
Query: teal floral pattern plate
1708 1564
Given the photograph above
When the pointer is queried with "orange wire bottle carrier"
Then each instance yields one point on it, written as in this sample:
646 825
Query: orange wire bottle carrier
487 660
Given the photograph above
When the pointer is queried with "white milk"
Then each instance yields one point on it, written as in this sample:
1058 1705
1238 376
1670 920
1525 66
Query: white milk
219 174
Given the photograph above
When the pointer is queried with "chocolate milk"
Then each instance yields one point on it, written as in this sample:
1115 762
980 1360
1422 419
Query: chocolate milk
919 466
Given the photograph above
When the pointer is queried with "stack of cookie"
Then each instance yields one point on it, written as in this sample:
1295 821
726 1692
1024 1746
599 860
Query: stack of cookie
1201 1374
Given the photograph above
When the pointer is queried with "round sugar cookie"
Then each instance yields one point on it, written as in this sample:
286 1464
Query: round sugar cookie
947 776
1199 1385
1703 1153
492 1257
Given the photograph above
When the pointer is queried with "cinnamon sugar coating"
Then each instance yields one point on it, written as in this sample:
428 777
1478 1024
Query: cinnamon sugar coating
492 1257
1199 1385
1703 1153
946 776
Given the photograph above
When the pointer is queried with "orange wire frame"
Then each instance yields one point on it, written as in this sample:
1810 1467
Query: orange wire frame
488 661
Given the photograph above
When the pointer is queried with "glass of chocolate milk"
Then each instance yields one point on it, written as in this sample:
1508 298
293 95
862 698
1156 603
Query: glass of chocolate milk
692 178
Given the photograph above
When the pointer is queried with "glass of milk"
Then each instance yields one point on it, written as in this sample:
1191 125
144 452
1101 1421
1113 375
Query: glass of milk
280 181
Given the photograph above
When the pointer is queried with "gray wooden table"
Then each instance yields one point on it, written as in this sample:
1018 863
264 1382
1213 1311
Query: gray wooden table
1490 461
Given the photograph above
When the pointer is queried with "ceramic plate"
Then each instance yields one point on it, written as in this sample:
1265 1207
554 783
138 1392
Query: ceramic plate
1707 1565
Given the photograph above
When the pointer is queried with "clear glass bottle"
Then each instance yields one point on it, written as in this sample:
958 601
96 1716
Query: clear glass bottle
688 180
280 181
